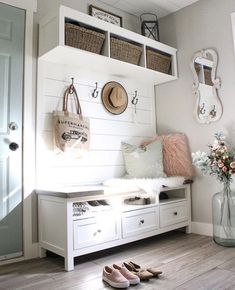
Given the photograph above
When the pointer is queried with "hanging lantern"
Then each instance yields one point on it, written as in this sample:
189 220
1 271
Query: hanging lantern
150 26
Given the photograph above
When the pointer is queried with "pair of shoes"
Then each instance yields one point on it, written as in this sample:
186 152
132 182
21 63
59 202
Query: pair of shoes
138 200
143 274
119 276
95 203
154 271
103 202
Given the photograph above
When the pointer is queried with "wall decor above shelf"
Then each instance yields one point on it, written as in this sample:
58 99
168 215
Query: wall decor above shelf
64 39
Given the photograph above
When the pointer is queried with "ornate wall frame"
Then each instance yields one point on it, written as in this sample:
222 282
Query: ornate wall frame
209 109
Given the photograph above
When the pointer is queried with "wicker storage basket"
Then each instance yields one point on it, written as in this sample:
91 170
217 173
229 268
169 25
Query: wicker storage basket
83 38
197 68
158 61
125 51
207 75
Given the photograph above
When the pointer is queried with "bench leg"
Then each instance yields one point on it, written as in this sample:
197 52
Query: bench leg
42 252
188 229
69 264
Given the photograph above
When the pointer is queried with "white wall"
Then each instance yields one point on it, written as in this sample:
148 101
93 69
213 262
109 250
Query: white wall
204 24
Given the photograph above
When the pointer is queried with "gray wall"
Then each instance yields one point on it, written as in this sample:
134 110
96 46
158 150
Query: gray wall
204 24
130 22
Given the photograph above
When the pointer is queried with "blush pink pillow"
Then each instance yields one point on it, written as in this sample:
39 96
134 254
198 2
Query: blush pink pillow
176 155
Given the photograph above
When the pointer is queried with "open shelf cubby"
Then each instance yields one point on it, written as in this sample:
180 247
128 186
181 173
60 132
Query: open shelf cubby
54 47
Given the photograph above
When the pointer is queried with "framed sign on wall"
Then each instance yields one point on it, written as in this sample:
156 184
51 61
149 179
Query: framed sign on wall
105 15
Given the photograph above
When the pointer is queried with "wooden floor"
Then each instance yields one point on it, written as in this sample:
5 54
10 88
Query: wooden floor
187 261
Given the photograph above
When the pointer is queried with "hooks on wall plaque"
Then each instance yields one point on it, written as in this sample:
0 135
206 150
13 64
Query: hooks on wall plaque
95 92
135 100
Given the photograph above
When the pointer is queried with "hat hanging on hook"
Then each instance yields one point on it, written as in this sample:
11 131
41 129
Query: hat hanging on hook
114 98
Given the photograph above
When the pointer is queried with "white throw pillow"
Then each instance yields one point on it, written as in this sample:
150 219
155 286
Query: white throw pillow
143 162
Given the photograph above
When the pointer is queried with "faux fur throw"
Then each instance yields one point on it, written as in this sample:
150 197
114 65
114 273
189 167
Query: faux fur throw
149 185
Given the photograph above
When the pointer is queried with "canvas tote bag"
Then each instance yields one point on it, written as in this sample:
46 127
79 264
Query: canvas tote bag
71 131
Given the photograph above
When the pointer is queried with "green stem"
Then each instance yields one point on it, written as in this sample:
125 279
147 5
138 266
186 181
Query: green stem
226 206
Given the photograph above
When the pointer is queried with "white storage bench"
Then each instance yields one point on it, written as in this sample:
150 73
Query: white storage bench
69 231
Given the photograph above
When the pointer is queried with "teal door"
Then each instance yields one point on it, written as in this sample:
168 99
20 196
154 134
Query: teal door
12 27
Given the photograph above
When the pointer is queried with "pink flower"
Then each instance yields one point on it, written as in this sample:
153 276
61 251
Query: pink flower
232 164
224 169
220 164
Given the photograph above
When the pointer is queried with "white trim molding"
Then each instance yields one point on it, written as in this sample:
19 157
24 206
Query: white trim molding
202 229
28 138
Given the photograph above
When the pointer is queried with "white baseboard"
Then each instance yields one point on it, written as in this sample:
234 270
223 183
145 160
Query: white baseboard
202 229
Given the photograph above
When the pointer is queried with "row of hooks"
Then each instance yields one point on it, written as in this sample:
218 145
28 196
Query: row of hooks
95 93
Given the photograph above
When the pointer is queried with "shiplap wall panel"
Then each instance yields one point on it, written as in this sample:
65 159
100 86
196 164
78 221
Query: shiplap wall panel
93 158
56 176
97 110
97 142
100 126
55 88
104 159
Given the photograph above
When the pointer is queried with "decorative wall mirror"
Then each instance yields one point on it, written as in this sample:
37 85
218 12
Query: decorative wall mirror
205 87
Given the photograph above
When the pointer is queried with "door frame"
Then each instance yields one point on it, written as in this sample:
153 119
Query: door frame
30 249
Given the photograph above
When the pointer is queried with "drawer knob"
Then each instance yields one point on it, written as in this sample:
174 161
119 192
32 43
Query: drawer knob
175 213
98 231
141 221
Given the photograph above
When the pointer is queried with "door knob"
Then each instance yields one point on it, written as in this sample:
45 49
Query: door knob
13 146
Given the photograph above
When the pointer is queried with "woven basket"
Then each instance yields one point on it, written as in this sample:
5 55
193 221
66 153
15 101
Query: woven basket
197 68
83 38
125 51
158 61
207 75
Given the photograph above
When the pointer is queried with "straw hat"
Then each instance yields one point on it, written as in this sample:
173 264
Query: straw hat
114 98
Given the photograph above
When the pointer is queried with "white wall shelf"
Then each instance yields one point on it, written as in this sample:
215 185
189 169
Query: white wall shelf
52 48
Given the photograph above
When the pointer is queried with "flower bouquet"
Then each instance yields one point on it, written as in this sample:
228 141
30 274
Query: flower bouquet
220 162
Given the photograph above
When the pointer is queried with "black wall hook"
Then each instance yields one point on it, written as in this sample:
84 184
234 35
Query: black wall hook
202 109
134 100
71 87
95 92
213 112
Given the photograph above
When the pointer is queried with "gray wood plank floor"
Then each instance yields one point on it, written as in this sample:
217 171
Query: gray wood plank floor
188 262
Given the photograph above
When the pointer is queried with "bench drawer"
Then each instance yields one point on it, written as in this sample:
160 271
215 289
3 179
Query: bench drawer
137 222
95 230
171 214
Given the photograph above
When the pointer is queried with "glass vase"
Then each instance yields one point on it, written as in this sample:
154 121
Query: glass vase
223 216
